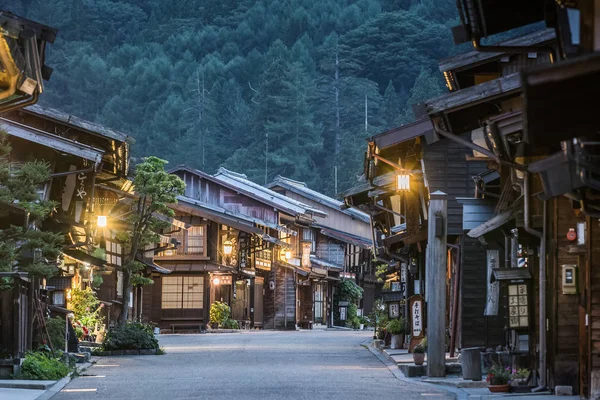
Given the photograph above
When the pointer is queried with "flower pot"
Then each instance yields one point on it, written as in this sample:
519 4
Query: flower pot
362 327
419 358
396 342
499 388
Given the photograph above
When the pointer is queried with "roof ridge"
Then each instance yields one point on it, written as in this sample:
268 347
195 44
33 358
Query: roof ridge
280 178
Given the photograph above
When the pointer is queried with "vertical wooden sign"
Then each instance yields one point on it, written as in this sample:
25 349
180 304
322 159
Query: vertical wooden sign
416 318
493 289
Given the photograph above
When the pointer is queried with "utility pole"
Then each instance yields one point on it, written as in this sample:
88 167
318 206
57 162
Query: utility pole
435 295
335 180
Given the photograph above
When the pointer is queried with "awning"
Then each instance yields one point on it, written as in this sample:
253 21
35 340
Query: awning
509 274
324 263
153 266
298 269
495 223
52 141
346 237
83 257
364 187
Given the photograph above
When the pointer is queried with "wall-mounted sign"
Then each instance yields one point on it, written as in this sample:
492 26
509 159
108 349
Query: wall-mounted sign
343 313
306 253
518 306
347 275
394 310
224 279
493 288
416 316
263 260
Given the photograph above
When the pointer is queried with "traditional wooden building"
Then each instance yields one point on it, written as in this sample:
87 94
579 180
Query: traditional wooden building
543 143
89 172
233 250
337 243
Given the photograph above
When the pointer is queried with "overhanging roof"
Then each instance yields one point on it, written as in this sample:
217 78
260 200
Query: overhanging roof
508 274
421 127
153 266
364 187
52 141
324 263
303 190
217 214
242 184
83 257
473 95
474 58
494 223
346 237
64 118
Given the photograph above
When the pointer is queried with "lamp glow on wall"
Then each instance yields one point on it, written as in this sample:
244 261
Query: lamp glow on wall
403 182
216 281
102 221
227 247
288 254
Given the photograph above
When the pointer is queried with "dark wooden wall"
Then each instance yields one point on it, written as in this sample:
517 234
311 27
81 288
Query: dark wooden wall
477 330
447 169
305 296
285 299
566 307
330 249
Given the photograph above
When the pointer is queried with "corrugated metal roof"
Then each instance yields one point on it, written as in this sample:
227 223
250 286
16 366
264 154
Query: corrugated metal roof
242 184
303 190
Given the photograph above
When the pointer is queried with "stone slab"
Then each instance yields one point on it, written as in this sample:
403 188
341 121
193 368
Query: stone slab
26 384
458 383
20 394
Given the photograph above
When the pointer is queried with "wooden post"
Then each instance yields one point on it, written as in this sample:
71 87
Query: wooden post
436 284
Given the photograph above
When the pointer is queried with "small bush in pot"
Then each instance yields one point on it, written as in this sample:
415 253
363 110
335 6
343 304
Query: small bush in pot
419 354
498 378
396 328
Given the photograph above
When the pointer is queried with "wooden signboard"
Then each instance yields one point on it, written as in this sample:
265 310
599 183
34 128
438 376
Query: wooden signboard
416 320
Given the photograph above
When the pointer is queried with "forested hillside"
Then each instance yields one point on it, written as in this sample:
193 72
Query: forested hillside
264 87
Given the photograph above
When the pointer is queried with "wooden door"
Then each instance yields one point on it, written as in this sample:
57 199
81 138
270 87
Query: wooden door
258 303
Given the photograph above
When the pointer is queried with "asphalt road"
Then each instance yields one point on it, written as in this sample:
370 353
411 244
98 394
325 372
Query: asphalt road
249 365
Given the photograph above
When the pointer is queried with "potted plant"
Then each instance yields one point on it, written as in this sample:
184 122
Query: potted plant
396 328
498 379
419 354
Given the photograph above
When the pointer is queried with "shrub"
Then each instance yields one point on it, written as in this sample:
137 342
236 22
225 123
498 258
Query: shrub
424 343
130 336
42 366
219 313
498 375
419 349
396 326
56 330
230 324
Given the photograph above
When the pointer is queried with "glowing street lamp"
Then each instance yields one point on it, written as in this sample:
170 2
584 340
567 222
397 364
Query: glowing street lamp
102 221
288 255
403 182
227 247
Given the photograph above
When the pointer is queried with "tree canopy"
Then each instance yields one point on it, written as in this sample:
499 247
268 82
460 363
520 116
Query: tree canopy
290 87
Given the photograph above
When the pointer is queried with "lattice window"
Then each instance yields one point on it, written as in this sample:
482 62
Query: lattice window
182 292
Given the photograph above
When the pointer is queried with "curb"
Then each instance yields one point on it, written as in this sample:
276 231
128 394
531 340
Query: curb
59 385
393 368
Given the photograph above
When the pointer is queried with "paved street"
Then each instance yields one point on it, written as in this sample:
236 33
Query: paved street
249 365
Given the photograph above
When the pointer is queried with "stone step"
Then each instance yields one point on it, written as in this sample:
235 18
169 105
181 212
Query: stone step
414 371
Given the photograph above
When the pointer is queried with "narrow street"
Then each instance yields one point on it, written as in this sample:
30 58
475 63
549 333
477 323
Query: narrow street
249 365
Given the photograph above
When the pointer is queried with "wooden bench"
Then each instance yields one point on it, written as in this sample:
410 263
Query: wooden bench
197 325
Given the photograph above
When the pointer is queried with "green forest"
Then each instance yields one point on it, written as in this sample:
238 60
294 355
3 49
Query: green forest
263 87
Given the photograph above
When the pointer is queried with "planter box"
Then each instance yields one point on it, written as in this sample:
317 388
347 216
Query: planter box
9 367
147 352
142 352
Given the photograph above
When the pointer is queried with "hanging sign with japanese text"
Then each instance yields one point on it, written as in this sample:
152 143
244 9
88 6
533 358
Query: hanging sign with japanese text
416 316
